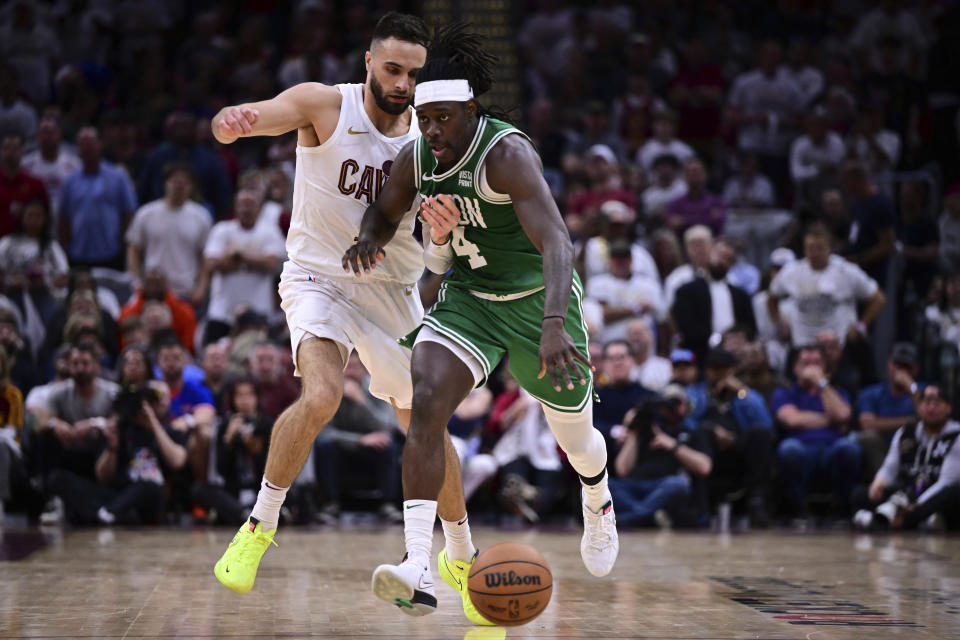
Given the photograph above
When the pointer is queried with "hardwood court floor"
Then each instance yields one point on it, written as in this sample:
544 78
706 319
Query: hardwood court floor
158 583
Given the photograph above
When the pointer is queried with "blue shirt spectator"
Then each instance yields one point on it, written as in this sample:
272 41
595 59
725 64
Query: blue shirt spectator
619 394
190 395
804 400
96 203
750 411
212 178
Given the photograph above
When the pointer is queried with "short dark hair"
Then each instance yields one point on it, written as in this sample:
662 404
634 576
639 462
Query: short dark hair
85 347
820 230
623 343
666 158
178 167
166 340
403 27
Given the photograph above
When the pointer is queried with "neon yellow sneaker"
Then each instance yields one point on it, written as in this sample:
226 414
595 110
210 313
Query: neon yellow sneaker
237 567
455 573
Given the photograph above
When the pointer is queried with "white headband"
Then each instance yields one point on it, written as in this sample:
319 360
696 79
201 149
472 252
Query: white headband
442 91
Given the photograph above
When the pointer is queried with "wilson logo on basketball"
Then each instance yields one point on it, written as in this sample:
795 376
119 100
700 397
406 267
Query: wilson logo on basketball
507 579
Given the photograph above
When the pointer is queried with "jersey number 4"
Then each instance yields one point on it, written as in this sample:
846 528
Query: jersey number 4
463 247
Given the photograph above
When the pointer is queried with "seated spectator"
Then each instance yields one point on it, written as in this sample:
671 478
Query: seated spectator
606 183
945 317
649 369
623 294
190 400
96 204
276 389
70 434
82 303
33 262
815 450
919 482
23 371
663 142
652 483
241 259
360 436
735 420
216 364
797 69
618 395
873 237
686 372
16 186
711 296
14 481
816 156
52 161
698 206
949 224
886 406
154 288
617 221
748 188
874 146
168 235
466 428
826 290
666 186
140 452
698 244
239 442
38 399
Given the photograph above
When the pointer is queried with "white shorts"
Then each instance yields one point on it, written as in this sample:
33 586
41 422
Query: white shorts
369 316
426 334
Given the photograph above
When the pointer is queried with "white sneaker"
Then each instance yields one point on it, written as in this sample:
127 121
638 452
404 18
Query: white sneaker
600 543
407 585
53 512
863 519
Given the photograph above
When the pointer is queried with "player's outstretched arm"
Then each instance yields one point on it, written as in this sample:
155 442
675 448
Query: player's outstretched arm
381 218
513 167
299 106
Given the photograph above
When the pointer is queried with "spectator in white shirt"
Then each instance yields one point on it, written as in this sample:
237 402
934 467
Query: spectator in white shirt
667 186
877 148
664 140
748 189
826 290
617 221
624 295
650 370
51 161
168 234
808 78
818 153
241 259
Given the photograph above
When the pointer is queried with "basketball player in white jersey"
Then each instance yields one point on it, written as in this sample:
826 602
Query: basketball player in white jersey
347 138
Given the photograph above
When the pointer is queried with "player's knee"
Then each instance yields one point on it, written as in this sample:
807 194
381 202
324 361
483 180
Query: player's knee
429 405
320 402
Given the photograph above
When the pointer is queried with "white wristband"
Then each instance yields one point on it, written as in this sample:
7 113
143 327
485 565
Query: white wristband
438 257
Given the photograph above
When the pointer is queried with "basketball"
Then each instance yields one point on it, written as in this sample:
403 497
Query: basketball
510 583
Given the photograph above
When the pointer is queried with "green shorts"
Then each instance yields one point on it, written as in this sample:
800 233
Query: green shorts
489 329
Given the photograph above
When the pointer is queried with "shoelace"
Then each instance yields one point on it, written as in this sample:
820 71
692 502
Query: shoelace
597 534
249 549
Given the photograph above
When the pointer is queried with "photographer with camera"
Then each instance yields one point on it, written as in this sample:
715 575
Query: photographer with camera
141 453
653 483
919 482
738 425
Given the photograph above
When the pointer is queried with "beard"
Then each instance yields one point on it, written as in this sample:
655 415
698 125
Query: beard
393 108
718 273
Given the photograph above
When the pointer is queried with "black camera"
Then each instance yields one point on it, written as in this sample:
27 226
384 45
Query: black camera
647 414
128 404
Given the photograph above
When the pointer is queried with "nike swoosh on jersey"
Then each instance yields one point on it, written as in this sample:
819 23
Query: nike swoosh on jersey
355 133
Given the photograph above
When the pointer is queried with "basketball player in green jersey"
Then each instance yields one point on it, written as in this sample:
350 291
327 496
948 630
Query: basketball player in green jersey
512 292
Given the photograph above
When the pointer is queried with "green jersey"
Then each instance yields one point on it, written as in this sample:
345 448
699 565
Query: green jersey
492 254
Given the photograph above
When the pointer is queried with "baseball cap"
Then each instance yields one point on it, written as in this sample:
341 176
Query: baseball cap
620 247
683 356
673 391
618 212
904 353
602 151
782 256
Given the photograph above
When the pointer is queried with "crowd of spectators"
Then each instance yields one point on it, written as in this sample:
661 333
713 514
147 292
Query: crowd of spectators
764 197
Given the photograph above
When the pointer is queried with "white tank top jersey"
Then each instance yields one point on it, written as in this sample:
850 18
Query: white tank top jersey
334 184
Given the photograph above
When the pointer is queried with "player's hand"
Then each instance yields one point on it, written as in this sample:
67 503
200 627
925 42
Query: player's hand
363 254
442 215
559 356
238 121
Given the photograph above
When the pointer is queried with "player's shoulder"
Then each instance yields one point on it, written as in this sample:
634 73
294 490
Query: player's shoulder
315 95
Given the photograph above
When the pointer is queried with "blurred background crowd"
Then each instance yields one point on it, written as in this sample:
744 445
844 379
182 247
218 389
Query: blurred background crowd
764 197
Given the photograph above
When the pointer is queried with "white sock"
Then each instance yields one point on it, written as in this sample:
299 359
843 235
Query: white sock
596 495
269 500
459 544
418 519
